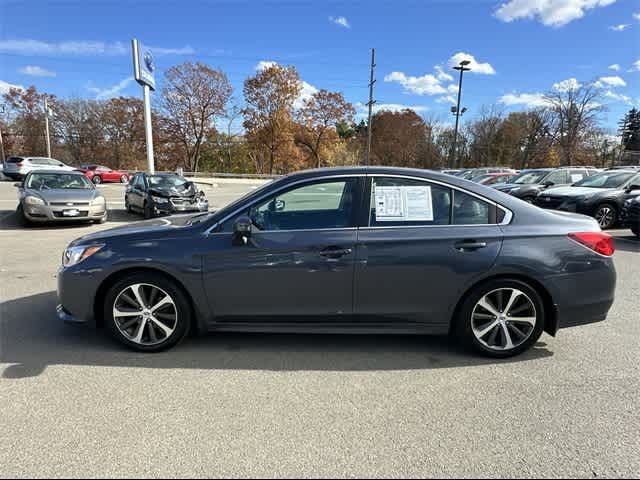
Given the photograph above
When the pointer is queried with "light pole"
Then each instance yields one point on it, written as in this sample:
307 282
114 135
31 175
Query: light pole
47 112
463 67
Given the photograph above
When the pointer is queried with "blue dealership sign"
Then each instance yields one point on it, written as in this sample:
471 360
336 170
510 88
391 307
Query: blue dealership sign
144 66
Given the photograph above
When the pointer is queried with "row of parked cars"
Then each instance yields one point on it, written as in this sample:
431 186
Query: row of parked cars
17 168
611 196
62 195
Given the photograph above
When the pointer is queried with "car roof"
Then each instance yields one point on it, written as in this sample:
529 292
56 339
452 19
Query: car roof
58 172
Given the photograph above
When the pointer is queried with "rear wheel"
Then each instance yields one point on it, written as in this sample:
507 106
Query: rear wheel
529 199
97 180
606 215
501 318
147 312
124 179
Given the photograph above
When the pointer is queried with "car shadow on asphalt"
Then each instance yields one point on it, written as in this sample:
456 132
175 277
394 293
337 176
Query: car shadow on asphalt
32 338
9 220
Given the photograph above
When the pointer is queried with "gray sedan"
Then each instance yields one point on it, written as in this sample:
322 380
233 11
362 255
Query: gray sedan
349 250
54 196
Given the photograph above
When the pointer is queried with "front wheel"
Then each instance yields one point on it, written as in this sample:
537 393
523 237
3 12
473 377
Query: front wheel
97 180
147 312
636 232
501 318
606 215
22 218
148 210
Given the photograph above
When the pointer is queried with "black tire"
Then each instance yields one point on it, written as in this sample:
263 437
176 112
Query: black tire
183 309
24 221
127 205
148 211
124 179
607 222
530 200
97 180
636 231
463 328
103 219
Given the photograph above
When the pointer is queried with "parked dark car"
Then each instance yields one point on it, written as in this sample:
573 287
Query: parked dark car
601 196
630 216
350 250
163 194
530 183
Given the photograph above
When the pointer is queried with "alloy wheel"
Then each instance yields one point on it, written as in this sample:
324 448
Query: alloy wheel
504 319
145 314
124 179
605 216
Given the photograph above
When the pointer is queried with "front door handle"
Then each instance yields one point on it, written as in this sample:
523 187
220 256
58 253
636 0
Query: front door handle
469 245
335 252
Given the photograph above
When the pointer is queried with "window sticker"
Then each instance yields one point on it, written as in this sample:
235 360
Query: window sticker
412 204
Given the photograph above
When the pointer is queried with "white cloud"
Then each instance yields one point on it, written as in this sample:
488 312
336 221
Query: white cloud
475 66
611 82
110 92
555 13
615 67
80 48
425 85
567 85
447 99
530 100
264 64
390 107
636 16
306 91
636 66
618 97
442 75
5 87
341 21
619 28
36 71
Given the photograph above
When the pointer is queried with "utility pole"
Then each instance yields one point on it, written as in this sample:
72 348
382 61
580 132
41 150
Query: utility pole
46 126
372 82
2 158
462 68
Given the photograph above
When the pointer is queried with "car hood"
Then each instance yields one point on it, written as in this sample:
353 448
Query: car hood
188 190
145 229
574 191
65 195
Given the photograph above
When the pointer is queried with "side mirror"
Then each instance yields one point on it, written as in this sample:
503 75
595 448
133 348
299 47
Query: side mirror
548 184
242 230
631 188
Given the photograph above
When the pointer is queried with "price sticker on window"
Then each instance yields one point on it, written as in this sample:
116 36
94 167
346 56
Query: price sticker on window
397 204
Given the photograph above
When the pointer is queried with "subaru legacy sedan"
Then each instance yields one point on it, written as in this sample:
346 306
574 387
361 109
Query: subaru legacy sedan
348 250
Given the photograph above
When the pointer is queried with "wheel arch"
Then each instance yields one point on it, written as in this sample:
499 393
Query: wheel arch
98 303
551 325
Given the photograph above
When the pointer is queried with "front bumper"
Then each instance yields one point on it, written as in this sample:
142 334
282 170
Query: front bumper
170 208
50 213
77 288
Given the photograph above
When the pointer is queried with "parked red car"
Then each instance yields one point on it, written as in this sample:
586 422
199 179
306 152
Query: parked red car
99 174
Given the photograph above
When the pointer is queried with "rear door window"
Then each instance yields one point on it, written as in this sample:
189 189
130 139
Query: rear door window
470 210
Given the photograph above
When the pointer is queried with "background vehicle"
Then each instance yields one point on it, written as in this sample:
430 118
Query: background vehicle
493 178
54 196
530 183
630 215
163 194
350 250
99 174
601 196
17 168
476 172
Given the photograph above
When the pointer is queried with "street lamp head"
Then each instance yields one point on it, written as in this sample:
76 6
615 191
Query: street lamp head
464 110
464 63
454 109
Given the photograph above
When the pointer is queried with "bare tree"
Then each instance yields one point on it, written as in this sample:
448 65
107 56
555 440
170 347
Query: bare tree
575 110
193 96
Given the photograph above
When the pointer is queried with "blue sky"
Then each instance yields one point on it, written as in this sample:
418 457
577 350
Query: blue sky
521 48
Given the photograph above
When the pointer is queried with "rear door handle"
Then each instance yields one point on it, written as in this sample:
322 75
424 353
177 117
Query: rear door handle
469 245
336 252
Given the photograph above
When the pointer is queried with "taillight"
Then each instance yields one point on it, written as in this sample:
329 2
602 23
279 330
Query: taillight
599 242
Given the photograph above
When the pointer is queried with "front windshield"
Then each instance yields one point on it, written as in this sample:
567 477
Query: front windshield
63 181
167 181
605 180
528 178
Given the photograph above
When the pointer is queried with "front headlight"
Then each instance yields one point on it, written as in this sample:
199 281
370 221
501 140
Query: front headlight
75 255
98 201
31 200
159 199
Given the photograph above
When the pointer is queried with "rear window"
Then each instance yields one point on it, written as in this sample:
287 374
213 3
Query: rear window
15 160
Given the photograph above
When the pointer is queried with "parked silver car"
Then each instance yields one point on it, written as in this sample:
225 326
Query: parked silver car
17 168
54 196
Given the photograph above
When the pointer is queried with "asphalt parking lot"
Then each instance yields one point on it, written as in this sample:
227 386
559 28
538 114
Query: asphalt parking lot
76 404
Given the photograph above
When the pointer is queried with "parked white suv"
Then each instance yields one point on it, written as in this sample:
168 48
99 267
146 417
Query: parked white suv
17 168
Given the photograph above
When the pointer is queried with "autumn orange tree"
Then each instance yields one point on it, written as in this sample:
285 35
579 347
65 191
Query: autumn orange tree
193 96
317 120
26 112
268 116
399 138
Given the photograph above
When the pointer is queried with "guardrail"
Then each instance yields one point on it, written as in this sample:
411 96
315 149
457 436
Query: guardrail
228 175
